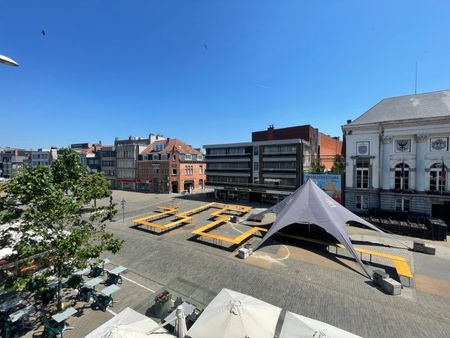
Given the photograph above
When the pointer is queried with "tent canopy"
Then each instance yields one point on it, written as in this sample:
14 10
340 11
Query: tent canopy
310 204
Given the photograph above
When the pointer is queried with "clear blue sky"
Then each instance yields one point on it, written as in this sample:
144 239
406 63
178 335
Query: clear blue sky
119 68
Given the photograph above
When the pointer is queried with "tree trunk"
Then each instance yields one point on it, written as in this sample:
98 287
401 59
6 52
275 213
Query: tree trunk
95 203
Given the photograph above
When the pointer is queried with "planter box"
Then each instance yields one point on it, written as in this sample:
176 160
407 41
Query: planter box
162 310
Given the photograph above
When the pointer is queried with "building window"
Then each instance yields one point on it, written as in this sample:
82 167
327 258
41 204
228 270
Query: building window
200 170
255 166
438 172
362 173
362 202
402 204
174 169
401 176
188 157
256 150
174 157
155 169
199 157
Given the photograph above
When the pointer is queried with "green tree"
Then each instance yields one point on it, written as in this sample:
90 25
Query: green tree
317 167
338 165
93 187
51 221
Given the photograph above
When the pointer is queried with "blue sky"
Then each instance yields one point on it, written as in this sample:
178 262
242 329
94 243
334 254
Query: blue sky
120 68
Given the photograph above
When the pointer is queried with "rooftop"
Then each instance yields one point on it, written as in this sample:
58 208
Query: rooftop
408 107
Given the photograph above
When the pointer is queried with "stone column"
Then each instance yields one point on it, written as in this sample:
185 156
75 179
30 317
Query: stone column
421 150
385 170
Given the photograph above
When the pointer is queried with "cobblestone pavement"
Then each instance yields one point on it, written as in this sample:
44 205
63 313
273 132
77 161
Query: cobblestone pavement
292 275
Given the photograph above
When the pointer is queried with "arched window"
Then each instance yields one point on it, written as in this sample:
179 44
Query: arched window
438 173
401 176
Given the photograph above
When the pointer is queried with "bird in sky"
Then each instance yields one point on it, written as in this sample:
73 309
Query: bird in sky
205 45
43 32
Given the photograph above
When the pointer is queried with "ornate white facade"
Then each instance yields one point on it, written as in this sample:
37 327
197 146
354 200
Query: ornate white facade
399 164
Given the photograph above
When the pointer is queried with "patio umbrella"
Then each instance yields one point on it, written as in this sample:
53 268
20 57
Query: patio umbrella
296 326
127 323
235 315
180 327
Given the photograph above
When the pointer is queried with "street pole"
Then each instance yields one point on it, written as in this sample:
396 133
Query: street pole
122 203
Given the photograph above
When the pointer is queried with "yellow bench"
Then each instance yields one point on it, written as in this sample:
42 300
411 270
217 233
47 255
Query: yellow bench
402 269
400 263
168 211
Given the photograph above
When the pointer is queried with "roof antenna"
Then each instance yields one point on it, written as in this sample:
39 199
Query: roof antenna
415 82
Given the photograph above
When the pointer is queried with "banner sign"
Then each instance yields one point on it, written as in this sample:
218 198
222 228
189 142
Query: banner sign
331 184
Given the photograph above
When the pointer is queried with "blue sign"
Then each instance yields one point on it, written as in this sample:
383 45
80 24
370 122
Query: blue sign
331 184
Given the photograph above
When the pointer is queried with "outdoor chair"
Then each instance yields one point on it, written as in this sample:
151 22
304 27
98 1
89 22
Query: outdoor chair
52 329
101 302
96 271
35 284
47 296
85 294
113 279
8 329
74 281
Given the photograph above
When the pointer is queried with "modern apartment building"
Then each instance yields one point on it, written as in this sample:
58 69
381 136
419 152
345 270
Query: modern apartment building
170 165
261 171
398 155
127 155
268 168
12 160
43 156
108 164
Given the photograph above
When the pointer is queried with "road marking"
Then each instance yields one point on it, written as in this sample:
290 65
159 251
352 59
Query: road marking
111 311
142 286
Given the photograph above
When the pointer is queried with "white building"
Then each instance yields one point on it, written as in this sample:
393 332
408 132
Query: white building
43 156
397 156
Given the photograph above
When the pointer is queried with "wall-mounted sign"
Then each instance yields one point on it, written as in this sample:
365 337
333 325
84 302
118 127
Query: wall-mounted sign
439 144
363 148
402 146
331 184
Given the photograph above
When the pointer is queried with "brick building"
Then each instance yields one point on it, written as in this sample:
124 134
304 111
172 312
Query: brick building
171 166
329 147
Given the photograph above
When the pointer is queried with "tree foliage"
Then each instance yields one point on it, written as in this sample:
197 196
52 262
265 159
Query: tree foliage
46 207
93 187
338 165
317 167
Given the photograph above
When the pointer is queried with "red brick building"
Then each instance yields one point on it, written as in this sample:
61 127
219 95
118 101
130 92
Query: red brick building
329 147
171 166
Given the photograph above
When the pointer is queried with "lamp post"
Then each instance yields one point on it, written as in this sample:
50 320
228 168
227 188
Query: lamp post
7 61
122 203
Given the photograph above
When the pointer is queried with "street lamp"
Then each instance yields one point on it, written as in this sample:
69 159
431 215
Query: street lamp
7 61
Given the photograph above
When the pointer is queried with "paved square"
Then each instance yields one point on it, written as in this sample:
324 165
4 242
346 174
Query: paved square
294 275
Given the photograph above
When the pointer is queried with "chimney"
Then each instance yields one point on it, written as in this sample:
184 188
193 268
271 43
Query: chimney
349 121
270 133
